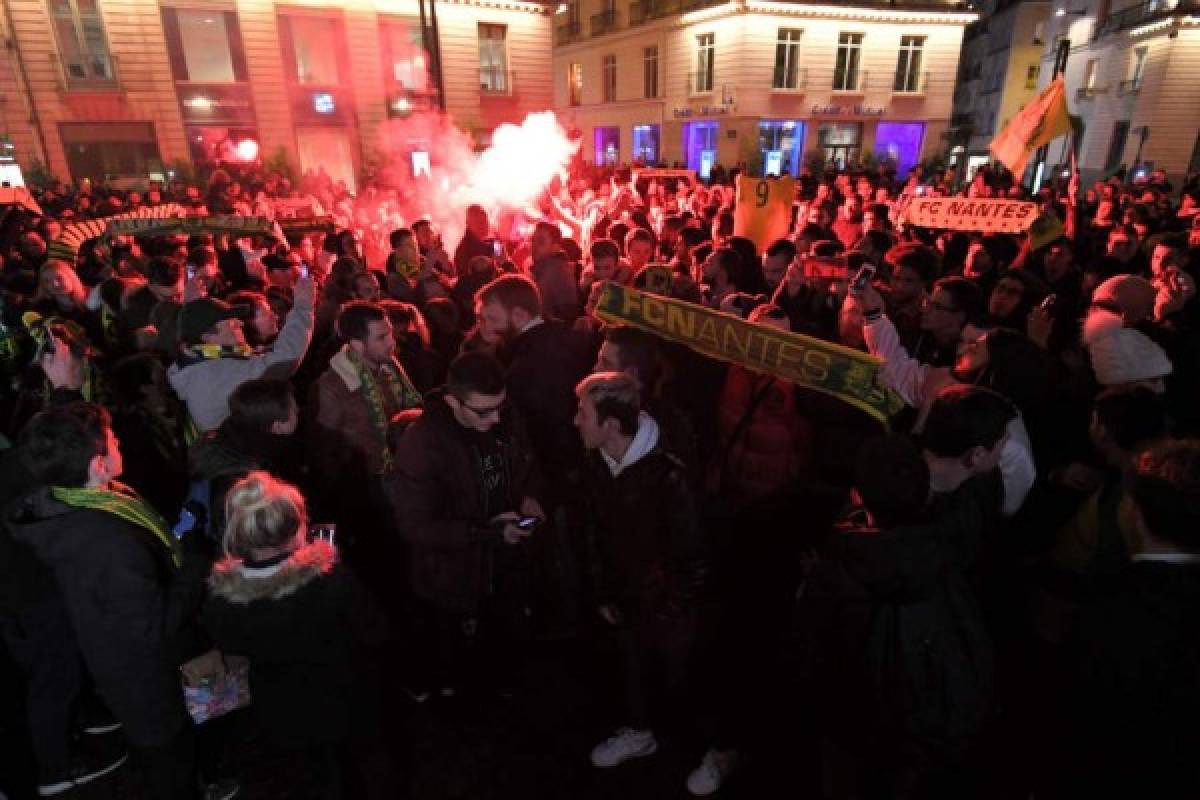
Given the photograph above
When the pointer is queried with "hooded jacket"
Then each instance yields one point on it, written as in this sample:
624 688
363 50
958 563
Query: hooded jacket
129 606
205 386
645 544
308 628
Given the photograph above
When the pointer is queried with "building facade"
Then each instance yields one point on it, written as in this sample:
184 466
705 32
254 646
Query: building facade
129 88
767 84
1130 71
998 74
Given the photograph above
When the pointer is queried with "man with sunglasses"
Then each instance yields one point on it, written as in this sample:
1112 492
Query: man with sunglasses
463 481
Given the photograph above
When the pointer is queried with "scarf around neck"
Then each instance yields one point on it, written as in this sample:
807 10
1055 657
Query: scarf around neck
121 501
389 386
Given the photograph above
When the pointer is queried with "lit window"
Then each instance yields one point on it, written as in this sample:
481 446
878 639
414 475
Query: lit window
575 83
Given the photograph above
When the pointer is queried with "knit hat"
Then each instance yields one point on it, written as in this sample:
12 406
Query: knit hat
1132 294
1120 354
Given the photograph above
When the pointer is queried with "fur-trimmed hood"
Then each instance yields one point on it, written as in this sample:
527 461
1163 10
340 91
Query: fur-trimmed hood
1100 323
232 581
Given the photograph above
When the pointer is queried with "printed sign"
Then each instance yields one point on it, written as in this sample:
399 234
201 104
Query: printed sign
847 374
763 211
988 215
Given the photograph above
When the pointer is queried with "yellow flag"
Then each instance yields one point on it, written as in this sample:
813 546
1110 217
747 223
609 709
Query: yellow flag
763 211
1040 122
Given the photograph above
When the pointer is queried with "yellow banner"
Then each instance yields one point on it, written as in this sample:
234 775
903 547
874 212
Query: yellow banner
1041 121
846 374
988 215
763 212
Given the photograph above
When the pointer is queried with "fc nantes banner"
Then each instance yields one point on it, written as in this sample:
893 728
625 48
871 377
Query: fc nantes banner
763 212
236 225
67 245
988 215
812 363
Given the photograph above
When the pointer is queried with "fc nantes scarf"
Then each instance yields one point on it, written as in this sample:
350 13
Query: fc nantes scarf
389 387
123 502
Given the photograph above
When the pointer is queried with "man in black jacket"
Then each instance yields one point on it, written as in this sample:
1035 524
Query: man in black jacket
646 552
129 588
545 361
462 480
1135 687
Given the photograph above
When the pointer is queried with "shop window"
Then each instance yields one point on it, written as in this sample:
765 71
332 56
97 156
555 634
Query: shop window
781 143
493 59
840 142
700 145
899 143
646 144
98 151
82 44
204 46
608 145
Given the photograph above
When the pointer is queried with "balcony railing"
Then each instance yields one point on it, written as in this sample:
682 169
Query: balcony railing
1131 86
496 80
910 83
700 83
568 32
1143 13
789 81
68 81
849 81
642 11
604 22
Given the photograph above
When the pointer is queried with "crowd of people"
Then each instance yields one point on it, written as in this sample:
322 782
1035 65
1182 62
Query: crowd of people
369 466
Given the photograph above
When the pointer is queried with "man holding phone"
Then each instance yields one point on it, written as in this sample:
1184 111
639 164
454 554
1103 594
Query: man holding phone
463 492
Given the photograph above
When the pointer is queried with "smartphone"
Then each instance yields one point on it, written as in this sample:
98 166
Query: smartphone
304 272
498 248
528 523
191 272
862 278
326 531
1048 304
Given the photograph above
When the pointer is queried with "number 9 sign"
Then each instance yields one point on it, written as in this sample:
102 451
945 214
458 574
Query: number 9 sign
763 212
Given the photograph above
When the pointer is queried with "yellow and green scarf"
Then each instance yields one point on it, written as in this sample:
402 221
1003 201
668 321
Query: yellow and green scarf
121 501
391 379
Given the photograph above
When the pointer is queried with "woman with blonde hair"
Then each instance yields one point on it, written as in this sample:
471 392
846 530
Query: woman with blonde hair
59 290
281 599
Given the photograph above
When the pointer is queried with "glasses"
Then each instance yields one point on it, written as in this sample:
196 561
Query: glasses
484 413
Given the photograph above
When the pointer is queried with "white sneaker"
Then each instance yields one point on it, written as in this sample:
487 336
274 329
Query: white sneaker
625 744
714 770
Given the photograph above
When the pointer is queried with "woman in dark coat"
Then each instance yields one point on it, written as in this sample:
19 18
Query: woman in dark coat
308 630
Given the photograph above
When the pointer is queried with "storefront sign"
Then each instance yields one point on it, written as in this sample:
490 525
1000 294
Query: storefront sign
848 111
702 111
992 215
217 104
847 374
